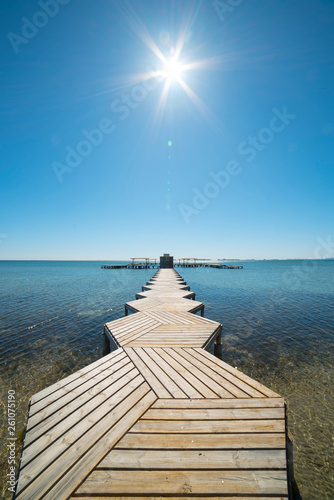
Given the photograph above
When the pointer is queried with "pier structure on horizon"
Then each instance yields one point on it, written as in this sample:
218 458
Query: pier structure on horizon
167 262
157 417
136 263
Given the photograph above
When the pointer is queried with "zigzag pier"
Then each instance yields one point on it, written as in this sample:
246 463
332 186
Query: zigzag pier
158 417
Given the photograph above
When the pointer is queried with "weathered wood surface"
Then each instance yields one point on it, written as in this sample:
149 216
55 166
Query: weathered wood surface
165 304
158 418
163 328
166 282
151 294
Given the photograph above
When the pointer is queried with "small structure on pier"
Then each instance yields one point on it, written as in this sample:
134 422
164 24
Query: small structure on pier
166 261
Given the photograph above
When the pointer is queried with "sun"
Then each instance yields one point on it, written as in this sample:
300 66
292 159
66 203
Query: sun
172 65
172 70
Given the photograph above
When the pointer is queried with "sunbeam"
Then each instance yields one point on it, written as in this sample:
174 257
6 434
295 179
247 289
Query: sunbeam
172 65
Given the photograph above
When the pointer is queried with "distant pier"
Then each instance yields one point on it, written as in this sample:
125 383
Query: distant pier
202 264
167 262
137 263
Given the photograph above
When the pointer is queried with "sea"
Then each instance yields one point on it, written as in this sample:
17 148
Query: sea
278 326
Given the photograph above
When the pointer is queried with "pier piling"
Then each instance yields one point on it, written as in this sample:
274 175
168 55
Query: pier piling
105 344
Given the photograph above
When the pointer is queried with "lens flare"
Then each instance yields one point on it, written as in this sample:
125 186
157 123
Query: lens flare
172 70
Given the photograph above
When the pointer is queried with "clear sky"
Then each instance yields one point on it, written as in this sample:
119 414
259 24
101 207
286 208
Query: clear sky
202 129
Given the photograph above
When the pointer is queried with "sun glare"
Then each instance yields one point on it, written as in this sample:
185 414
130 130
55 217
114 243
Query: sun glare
170 64
172 70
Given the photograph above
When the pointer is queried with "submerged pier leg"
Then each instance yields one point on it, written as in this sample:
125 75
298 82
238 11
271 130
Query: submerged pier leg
218 351
105 344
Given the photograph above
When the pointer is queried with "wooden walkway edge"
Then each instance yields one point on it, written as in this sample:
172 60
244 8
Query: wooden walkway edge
158 417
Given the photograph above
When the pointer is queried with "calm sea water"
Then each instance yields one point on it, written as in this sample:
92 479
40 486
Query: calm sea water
278 328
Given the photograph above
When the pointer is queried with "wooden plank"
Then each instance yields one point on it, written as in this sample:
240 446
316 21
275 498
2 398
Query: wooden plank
220 403
166 381
132 329
200 320
165 304
70 469
181 495
143 304
175 338
47 435
223 378
128 323
142 329
149 376
163 287
183 482
134 336
67 435
212 338
190 328
169 318
154 293
161 343
125 321
202 441
236 385
143 322
78 375
178 334
253 383
190 376
166 281
215 414
219 390
187 388
226 426
63 396
68 483
135 330
107 385
190 459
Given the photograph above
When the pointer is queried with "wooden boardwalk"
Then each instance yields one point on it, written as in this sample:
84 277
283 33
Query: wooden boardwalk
163 329
164 303
158 417
173 293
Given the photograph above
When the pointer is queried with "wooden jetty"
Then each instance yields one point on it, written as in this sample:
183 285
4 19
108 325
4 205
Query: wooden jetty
194 262
158 417
224 266
152 264
165 304
142 263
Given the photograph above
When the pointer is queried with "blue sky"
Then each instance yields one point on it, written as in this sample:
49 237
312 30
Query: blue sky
107 151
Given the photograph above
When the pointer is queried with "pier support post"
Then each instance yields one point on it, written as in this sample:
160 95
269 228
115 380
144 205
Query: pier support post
218 350
292 485
125 311
202 311
105 344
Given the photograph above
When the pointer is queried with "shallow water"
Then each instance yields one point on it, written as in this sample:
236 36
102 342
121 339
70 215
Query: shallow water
278 328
